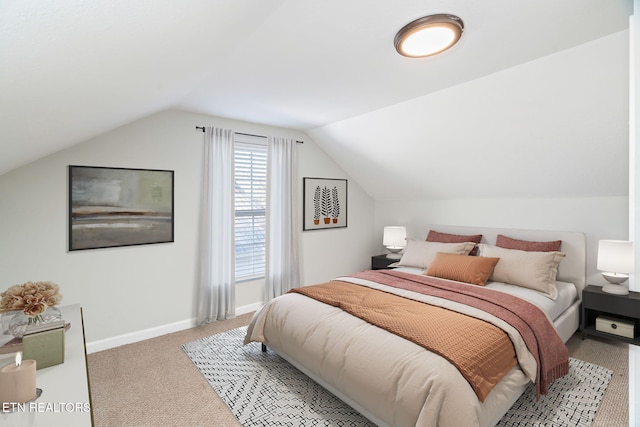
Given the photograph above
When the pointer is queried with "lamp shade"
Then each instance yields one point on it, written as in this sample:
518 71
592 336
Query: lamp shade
394 237
615 256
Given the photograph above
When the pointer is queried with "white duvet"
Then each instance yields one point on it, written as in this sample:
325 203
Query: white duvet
390 380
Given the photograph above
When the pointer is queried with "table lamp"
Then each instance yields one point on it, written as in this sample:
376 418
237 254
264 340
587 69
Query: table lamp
394 239
616 261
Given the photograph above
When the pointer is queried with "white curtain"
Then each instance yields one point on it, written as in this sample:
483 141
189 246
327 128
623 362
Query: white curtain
216 296
283 269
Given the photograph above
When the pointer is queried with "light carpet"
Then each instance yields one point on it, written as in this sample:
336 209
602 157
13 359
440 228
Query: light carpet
262 389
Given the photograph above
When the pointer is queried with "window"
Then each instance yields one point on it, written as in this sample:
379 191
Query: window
250 206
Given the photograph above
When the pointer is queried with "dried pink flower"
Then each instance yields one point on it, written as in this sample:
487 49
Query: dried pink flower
33 298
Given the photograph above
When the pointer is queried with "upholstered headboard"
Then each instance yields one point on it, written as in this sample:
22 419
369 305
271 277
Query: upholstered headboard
573 267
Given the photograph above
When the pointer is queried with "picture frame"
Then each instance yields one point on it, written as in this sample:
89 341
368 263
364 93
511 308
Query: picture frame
113 207
324 203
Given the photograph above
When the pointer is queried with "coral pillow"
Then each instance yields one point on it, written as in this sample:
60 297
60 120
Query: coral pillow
462 268
436 236
526 245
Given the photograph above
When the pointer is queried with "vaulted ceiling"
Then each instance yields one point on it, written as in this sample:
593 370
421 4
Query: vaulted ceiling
73 70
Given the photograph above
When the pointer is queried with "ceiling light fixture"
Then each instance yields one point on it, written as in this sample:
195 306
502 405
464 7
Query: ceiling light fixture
428 35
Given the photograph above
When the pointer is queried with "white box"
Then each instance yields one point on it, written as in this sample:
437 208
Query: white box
611 325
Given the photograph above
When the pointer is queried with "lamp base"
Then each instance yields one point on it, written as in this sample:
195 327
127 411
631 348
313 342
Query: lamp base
615 289
394 255
615 278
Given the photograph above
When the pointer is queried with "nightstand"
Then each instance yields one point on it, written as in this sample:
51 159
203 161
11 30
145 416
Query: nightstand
595 303
381 262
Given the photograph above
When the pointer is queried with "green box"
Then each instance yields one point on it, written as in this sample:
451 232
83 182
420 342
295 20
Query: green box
46 348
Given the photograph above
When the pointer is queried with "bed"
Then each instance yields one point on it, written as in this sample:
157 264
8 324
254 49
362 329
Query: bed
392 379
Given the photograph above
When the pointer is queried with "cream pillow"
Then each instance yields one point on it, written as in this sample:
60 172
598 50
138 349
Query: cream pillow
534 270
420 254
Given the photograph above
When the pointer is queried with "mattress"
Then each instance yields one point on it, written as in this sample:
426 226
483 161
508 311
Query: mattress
567 294
423 390
359 363
395 382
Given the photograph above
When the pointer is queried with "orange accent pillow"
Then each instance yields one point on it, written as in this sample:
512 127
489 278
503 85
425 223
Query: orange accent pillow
462 268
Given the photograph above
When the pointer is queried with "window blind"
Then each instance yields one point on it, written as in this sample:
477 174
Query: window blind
250 206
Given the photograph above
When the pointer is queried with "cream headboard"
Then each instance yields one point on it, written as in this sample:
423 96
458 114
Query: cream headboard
573 267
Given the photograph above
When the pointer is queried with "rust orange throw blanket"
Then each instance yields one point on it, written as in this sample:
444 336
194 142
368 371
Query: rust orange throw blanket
482 362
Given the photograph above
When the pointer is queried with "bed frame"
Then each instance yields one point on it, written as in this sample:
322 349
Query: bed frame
572 269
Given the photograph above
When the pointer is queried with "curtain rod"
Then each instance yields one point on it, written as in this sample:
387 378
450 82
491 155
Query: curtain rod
247 134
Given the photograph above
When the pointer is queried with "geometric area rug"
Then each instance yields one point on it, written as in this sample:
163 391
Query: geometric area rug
263 389
573 400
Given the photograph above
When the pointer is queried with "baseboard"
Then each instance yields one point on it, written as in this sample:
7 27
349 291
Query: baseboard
117 341
132 337
248 308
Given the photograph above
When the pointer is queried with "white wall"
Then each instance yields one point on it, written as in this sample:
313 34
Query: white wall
130 290
598 218
556 126
335 252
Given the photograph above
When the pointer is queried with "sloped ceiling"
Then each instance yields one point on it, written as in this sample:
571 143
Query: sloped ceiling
73 70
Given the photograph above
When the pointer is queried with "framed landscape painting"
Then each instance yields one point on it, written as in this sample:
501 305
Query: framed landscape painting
324 203
110 207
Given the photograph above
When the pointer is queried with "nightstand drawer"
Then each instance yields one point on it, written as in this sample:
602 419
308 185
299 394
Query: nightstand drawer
611 325
618 304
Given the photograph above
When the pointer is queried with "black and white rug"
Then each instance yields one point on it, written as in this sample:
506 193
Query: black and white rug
262 389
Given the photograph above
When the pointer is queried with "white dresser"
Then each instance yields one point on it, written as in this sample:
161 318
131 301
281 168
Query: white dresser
65 388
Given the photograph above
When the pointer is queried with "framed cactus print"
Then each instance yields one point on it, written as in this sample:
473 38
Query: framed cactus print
324 203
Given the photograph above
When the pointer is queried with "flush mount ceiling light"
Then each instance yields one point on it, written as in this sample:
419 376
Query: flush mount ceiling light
428 35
